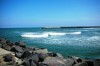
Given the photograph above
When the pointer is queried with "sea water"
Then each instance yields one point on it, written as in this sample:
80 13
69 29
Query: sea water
82 42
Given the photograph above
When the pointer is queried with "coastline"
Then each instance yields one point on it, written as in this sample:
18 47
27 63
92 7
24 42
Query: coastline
20 54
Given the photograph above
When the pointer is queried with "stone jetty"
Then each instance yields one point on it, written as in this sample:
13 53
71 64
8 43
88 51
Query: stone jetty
18 54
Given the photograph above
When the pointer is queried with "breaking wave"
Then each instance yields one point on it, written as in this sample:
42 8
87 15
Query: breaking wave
46 34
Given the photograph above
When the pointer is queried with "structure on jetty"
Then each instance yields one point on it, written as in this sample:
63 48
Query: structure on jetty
18 54
71 27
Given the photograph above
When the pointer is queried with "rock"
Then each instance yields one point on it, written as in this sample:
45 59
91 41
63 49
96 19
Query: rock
52 54
81 64
89 62
42 64
97 63
34 57
42 56
18 54
41 51
8 58
2 40
17 49
8 42
69 62
20 43
29 63
6 47
54 61
26 54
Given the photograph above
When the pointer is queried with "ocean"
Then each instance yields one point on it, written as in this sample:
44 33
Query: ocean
82 42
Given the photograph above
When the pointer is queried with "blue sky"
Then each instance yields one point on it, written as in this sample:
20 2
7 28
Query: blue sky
38 13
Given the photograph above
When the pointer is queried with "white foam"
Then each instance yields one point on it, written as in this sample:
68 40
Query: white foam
93 38
74 33
46 34
34 36
54 33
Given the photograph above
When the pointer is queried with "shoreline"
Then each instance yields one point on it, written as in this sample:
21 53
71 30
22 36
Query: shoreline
20 54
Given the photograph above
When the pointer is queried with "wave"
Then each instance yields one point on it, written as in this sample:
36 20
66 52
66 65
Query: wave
46 34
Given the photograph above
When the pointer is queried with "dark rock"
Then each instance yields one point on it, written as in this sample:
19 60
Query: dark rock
26 54
20 43
50 54
90 63
42 56
17 49
8 58
81 64
42 64
79 60
29 63
8 42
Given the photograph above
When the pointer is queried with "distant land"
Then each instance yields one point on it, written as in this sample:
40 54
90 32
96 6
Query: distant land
71 27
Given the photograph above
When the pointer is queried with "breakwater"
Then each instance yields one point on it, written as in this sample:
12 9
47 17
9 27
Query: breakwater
18 54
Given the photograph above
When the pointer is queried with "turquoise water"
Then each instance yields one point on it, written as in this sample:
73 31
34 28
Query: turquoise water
82 42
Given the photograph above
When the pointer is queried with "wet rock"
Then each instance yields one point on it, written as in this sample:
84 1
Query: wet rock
54 61
8 58
17 49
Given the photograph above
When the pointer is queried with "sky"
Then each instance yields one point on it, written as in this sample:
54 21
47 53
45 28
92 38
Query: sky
41 13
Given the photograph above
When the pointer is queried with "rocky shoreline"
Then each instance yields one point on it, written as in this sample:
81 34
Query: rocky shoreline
18 54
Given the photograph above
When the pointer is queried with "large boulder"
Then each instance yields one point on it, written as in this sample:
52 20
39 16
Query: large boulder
54 61
8 42
17 49
26 54
42 56
21 44
34 57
